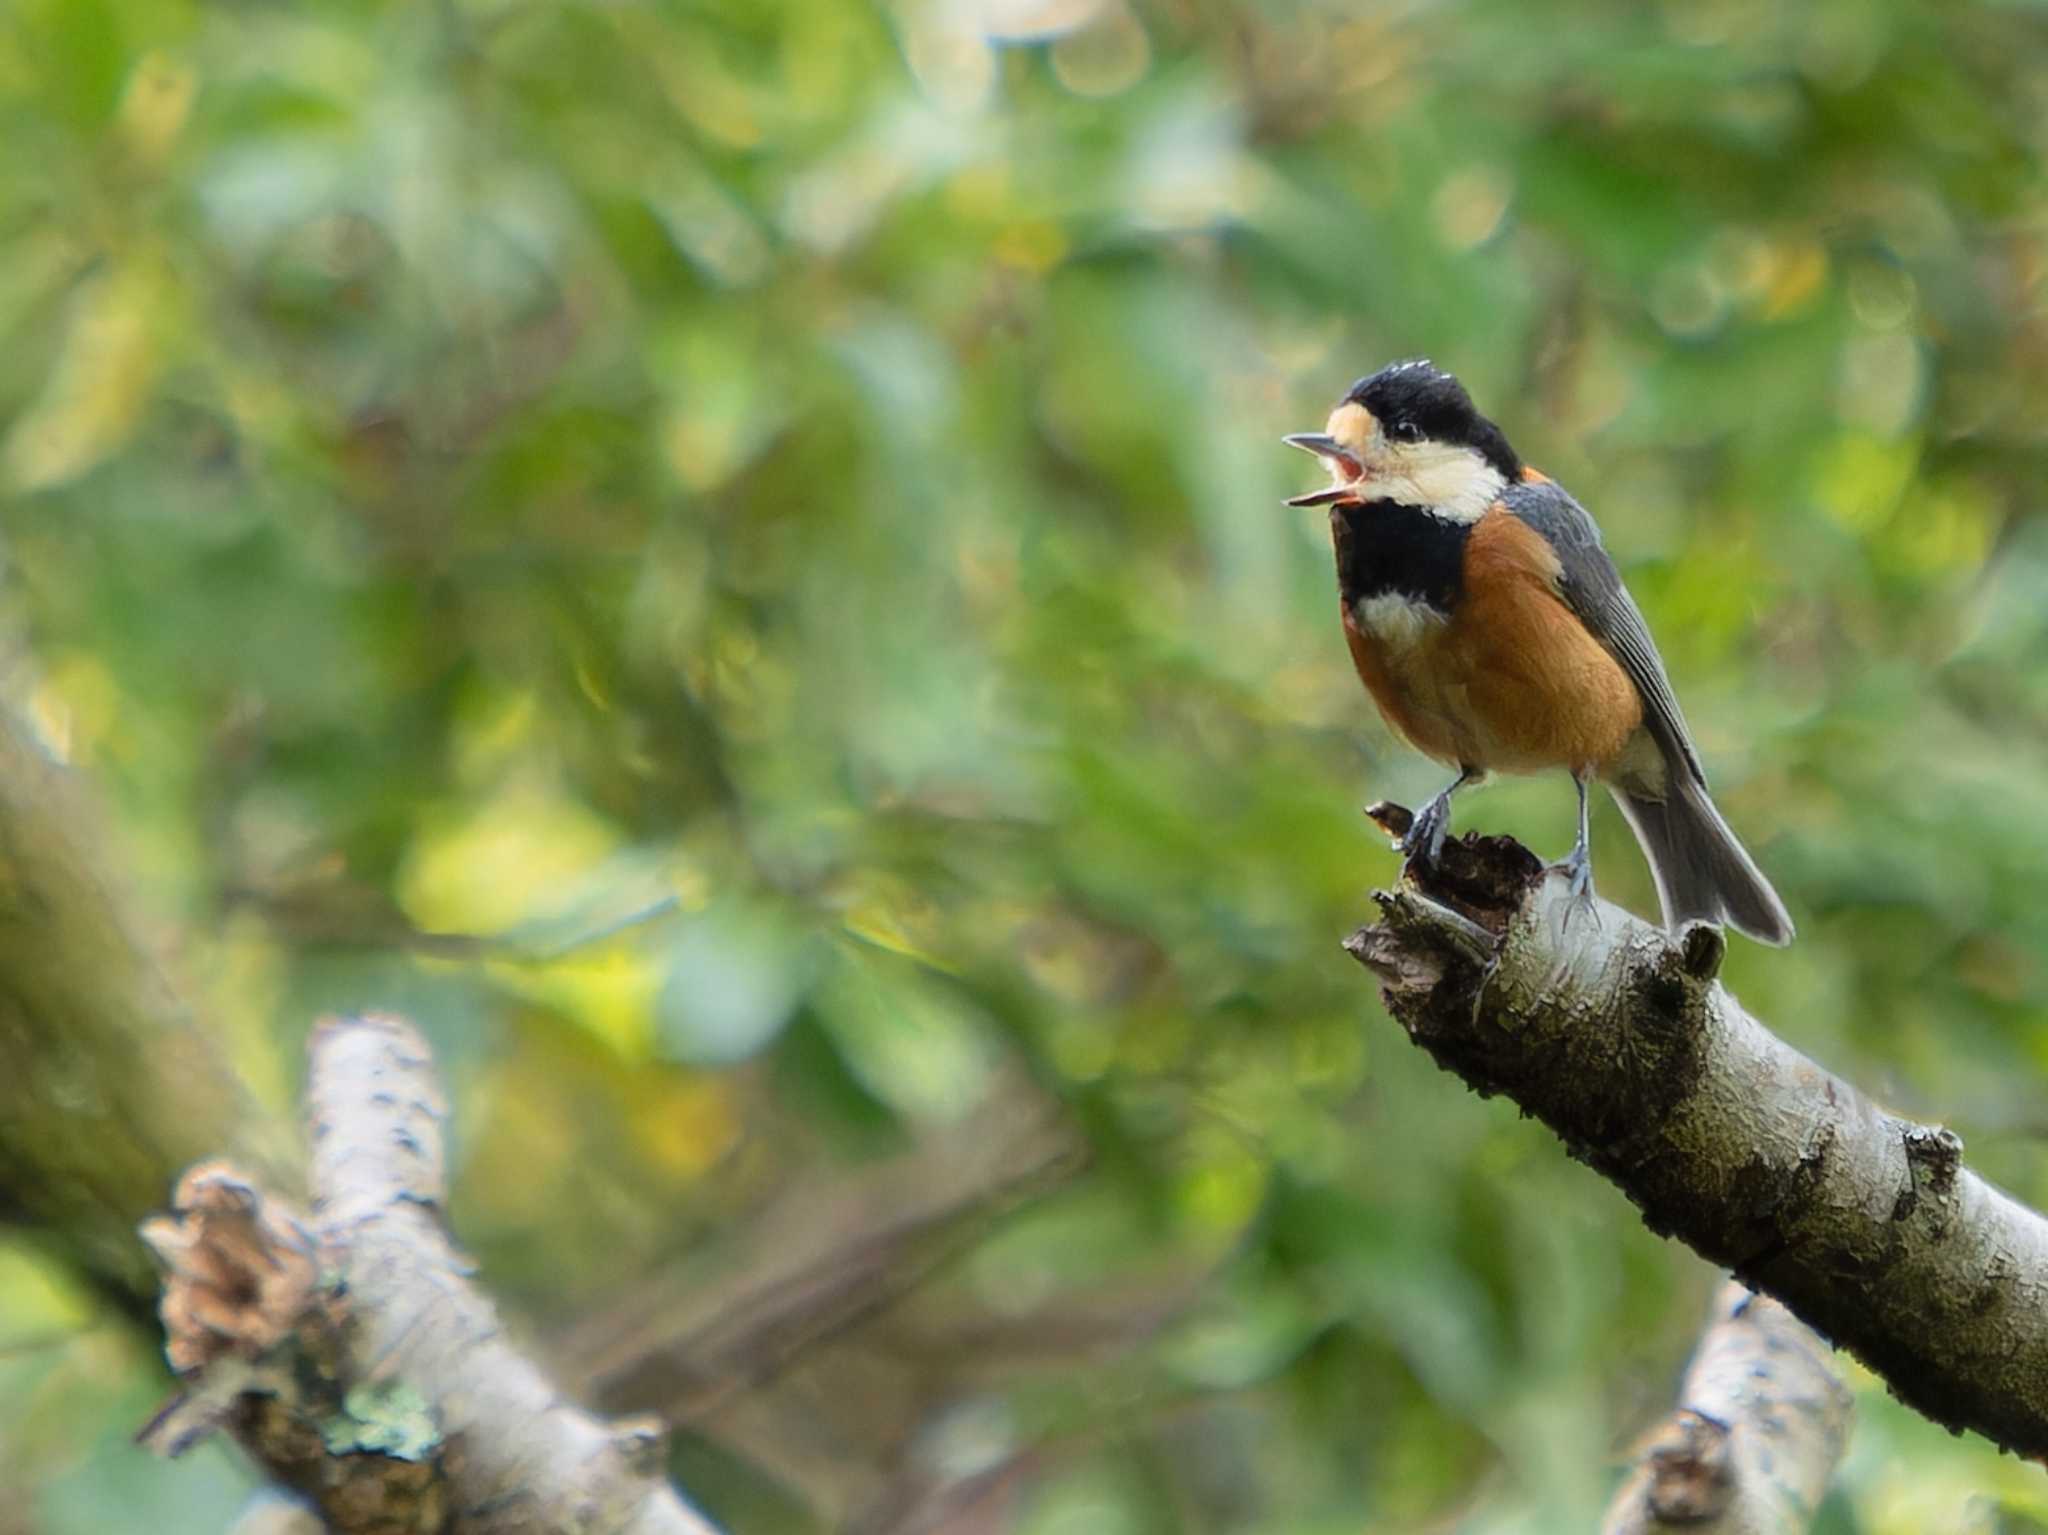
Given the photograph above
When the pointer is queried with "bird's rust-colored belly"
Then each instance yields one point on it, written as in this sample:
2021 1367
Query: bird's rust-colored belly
1510 680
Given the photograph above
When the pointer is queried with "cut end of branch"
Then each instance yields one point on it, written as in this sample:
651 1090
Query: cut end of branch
1689 1467
1442 933
1484 879
239 1268
1457 909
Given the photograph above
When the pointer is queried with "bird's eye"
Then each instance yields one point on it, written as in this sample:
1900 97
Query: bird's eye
1405 431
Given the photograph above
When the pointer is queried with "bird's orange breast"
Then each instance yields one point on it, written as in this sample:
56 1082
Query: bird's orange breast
1509 680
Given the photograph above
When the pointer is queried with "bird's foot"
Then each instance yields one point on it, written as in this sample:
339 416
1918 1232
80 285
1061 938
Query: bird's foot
1425 836
1577 869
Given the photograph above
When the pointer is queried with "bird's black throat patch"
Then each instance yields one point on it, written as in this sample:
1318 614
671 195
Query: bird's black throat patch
1385 548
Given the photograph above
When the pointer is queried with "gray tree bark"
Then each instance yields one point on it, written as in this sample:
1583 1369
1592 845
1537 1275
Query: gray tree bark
1618 1037
1760 1423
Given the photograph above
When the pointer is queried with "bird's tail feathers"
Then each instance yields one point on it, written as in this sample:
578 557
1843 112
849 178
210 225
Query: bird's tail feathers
1702 872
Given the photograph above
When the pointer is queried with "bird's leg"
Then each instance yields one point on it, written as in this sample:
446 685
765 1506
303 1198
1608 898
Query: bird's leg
1578 864
1425 838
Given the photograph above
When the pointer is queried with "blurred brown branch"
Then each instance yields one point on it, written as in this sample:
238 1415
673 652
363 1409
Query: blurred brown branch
821 1259
820 1341
388 1394
1618 1037
1761 1422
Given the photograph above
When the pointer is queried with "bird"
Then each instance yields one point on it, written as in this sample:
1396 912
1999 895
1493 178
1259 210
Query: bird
1489 624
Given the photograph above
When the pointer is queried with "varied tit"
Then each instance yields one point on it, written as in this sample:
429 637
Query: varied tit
1492 630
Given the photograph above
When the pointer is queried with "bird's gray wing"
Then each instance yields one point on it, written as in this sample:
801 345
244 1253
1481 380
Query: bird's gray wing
1591 587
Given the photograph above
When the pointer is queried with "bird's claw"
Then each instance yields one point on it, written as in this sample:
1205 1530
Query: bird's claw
1425 836
1577 869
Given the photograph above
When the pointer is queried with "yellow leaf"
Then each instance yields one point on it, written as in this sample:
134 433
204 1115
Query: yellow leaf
97 390
504 863
608 991
684 1123
155 104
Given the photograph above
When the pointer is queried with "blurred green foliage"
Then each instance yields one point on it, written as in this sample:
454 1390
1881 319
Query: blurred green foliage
726 557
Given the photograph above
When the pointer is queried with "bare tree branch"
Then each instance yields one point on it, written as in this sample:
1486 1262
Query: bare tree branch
351 1353
1760 1423
1619 1038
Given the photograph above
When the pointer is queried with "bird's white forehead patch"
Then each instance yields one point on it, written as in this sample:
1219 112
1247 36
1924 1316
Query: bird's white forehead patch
1353 427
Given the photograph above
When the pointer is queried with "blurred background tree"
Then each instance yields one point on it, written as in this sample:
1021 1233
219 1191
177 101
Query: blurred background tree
725 557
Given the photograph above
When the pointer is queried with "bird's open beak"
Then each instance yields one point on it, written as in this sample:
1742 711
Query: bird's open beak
1338 461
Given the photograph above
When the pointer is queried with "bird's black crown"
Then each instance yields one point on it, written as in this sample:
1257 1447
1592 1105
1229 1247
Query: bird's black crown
1419 400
